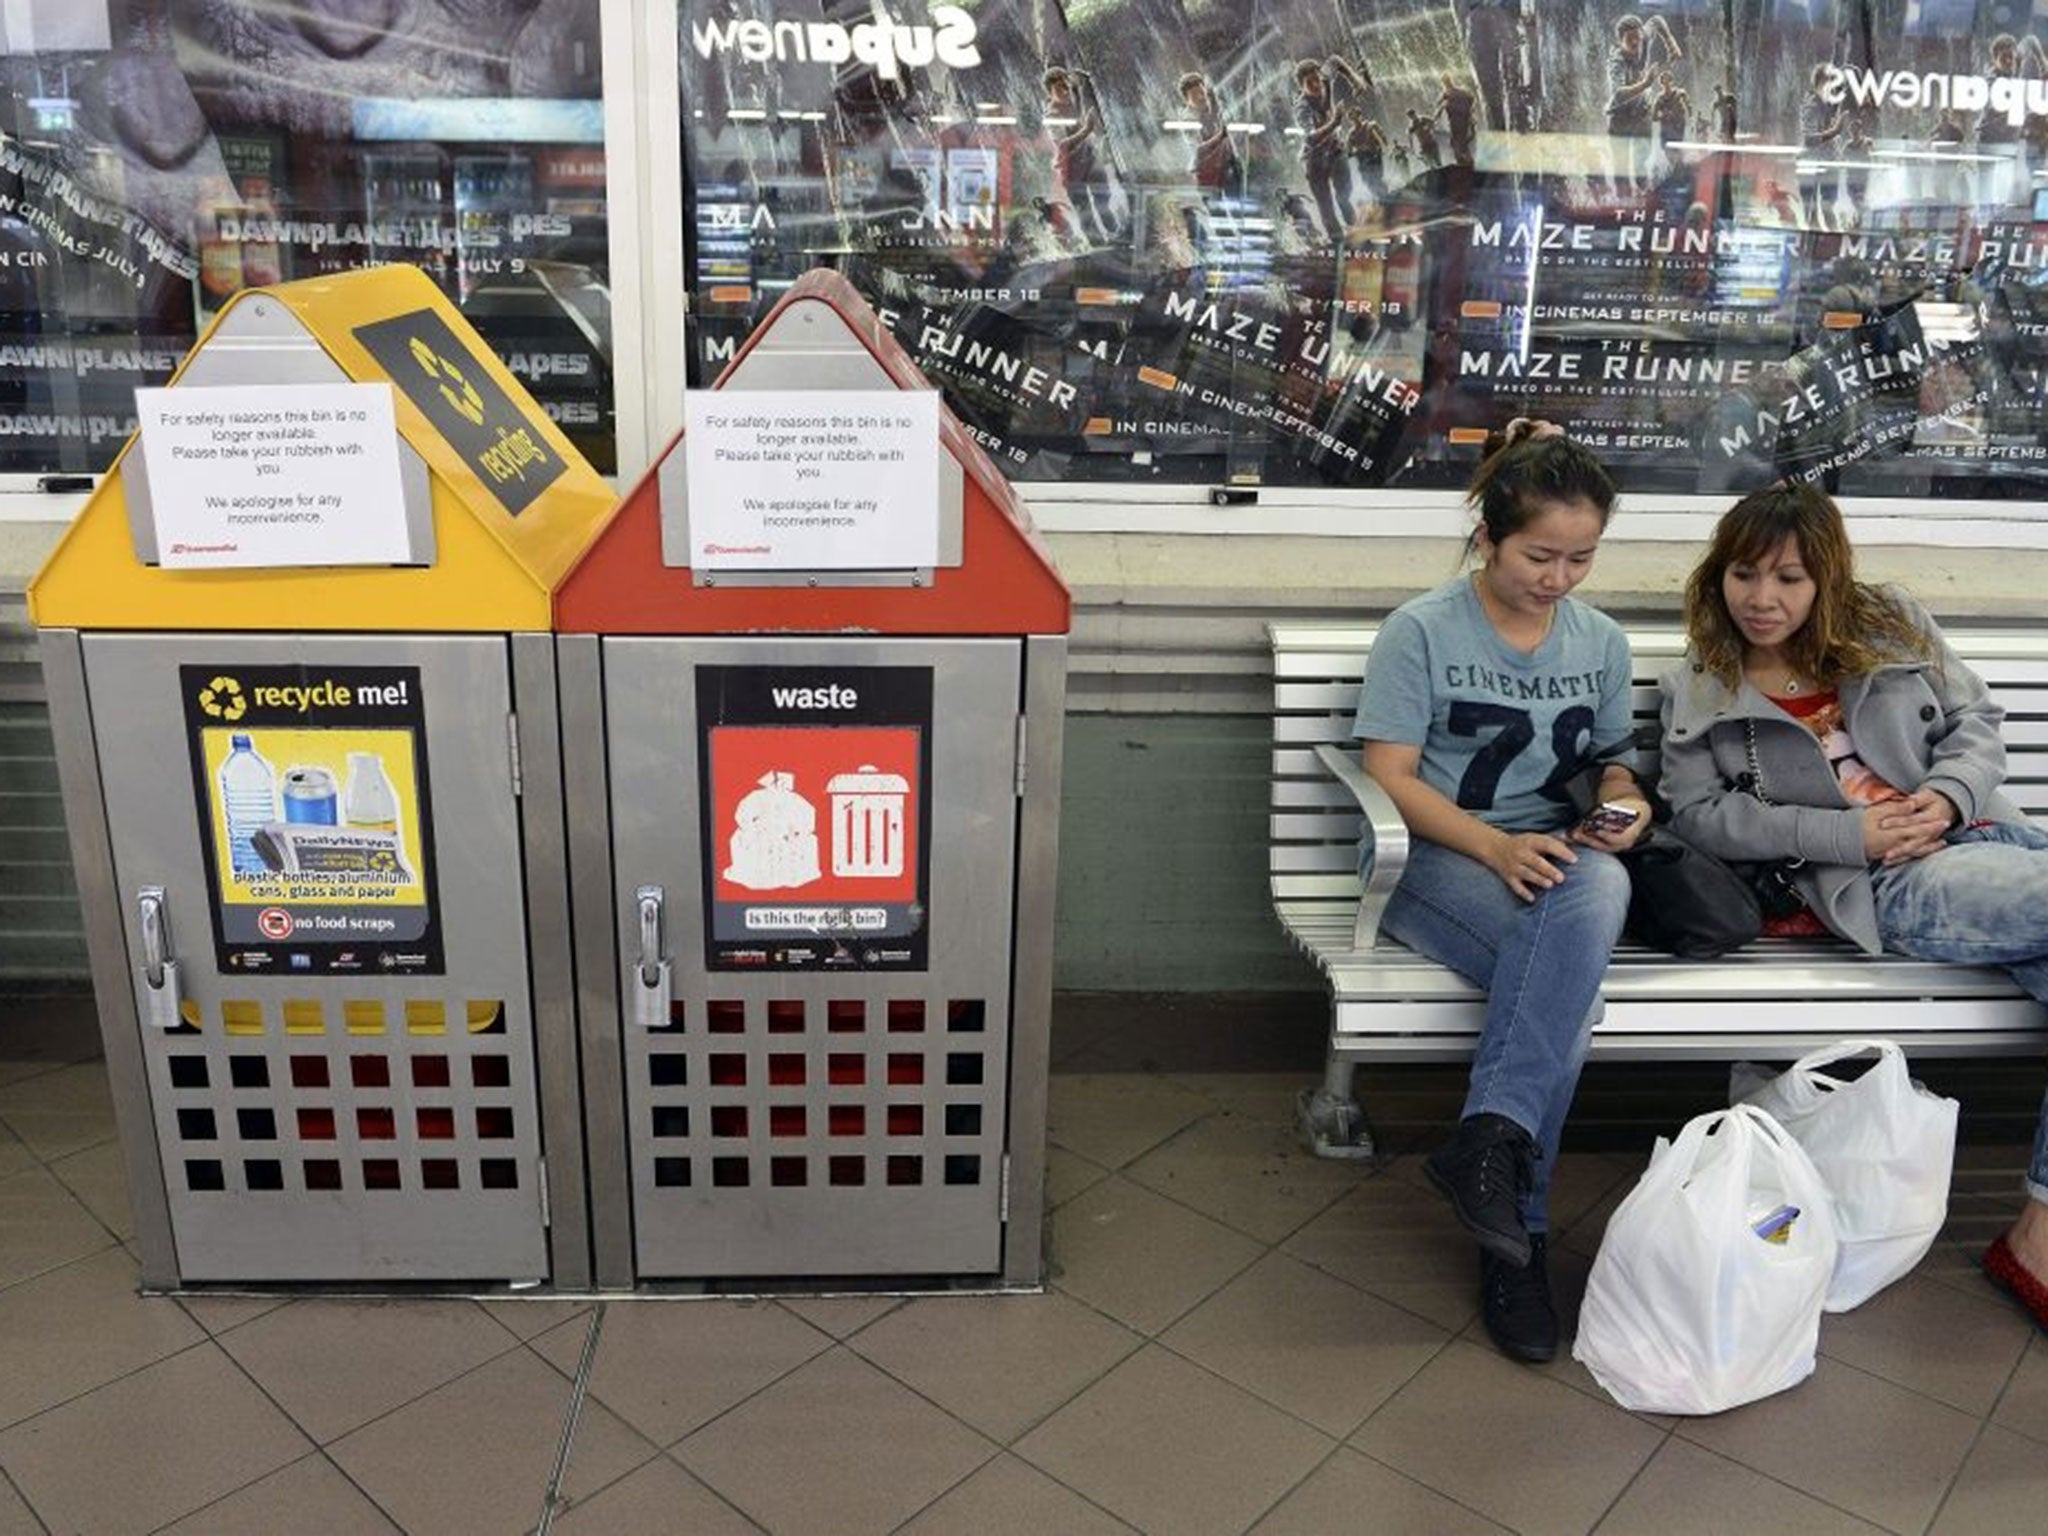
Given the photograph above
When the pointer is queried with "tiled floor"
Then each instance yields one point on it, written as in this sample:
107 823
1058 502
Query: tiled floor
1236 1338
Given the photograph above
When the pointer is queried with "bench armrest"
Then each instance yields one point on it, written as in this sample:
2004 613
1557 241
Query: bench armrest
1389 835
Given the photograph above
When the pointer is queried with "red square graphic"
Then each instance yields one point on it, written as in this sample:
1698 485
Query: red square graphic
814 813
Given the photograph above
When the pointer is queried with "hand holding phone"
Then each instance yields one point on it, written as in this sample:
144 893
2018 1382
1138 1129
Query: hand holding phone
1607 818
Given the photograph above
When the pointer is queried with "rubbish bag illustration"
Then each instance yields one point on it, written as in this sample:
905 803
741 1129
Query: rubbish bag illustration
775 836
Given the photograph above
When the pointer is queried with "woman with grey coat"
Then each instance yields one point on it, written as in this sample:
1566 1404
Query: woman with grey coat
1820 720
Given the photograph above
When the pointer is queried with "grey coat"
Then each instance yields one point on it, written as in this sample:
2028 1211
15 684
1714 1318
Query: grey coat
1915 723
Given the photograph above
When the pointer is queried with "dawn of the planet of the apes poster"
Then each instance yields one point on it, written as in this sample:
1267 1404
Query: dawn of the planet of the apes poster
161 155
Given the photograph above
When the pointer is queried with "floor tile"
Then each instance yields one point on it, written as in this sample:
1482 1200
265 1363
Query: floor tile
1589 1182
1168 1447
99 1178
1066 1175
308 1496
1529 1453
668 1367
1009 1498
61 1112
80 1327
45 1226
1961 1267
1850 1440
1268 1097
1323 1350
219 1314
1924 1336
16 1518
1112 1117
842 1316
1402 1244
14 1153
1687 1490
2023 1406
833 1449
473 1458
1140 1257
1357 1496
182 1433
659 1499
1568 1270
531 1319
336 1365
1249 1174
2001 1491
1001 1363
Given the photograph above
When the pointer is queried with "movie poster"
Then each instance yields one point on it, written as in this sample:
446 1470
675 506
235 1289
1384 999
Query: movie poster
1336 242
160 155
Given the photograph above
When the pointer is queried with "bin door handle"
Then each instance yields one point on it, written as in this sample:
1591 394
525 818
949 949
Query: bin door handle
161 990
651 974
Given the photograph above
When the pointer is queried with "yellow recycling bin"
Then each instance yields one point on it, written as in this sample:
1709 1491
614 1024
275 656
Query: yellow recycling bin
315 809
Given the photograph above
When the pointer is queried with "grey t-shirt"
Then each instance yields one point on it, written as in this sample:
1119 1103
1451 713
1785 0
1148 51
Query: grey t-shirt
1501 733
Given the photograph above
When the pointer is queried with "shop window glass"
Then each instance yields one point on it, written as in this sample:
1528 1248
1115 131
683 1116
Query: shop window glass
160 155
1721 241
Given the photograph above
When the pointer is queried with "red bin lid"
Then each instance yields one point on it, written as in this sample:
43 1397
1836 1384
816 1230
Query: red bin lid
1005 584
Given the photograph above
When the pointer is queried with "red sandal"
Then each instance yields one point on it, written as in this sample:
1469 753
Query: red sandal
2006 1272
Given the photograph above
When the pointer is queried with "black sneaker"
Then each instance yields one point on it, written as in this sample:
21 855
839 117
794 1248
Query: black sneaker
1485 1172
1515 1301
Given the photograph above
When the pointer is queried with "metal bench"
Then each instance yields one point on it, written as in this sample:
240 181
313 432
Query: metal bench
1775 999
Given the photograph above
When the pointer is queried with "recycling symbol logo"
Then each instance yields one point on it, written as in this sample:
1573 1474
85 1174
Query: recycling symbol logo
454 385
222 699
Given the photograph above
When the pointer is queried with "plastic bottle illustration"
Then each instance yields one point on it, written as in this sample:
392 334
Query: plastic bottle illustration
248 794
369 801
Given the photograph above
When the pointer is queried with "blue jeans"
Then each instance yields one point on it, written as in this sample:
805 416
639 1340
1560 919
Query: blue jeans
1982 900
1541 963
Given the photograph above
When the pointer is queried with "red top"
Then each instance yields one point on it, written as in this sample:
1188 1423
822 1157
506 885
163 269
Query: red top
1005 585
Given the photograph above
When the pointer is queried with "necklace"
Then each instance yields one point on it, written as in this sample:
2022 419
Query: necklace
1486 606
1791 687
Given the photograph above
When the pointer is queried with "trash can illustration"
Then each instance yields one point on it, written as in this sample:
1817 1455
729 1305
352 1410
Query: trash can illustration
316 816
814 819
867 823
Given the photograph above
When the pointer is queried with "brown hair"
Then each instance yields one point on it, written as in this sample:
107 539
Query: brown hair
1527 468
1854 627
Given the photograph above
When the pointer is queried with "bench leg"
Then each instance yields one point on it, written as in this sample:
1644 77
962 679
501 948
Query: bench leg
1329 1116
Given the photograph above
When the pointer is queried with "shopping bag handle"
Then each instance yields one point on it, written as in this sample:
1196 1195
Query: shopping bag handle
1736 1122
1809 1065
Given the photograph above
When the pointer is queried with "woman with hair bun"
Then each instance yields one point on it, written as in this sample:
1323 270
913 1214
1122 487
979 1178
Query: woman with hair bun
1483 700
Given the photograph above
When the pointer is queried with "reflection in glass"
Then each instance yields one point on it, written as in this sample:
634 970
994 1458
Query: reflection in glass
1296 242
160 155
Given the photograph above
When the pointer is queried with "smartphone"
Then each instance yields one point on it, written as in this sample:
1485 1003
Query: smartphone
1608 817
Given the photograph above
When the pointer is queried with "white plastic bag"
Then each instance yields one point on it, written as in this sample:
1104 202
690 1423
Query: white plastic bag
1689 1309
1885 1147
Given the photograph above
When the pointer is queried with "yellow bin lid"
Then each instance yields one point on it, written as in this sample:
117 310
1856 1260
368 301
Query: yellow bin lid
507 524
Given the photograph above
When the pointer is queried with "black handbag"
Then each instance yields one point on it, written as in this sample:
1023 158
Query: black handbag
1682 900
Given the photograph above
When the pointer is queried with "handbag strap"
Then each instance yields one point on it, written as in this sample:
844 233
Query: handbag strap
1756 784
1756 767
